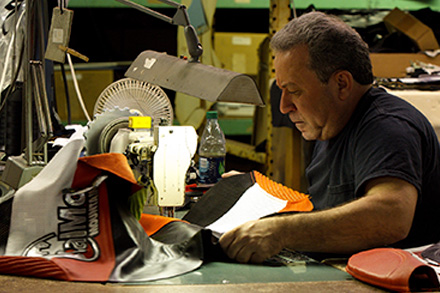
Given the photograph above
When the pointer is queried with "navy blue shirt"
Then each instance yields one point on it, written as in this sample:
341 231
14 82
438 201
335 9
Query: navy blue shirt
386 136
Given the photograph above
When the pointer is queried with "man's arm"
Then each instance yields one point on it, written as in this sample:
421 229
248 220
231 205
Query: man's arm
383 216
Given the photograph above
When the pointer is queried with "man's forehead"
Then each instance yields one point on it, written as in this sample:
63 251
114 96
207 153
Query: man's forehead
289 67
297 57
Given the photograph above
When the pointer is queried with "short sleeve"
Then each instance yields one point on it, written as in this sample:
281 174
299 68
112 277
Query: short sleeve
388 146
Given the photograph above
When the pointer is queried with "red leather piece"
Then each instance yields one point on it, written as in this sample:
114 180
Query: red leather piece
393 269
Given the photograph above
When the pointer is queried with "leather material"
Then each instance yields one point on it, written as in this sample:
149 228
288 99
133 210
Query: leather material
393 269
86 232
224 195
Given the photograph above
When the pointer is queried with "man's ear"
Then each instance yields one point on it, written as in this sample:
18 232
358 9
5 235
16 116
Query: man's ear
344 80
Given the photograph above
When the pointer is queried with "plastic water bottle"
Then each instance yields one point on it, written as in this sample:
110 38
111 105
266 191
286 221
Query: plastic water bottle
212 151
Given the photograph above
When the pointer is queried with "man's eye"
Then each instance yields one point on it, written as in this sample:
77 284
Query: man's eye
295 93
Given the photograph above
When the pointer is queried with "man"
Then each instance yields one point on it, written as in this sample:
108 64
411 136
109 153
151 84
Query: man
374 177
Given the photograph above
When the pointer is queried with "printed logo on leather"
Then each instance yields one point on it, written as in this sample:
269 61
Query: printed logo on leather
78 224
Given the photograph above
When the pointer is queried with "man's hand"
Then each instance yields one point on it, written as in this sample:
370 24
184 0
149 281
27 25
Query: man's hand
254 241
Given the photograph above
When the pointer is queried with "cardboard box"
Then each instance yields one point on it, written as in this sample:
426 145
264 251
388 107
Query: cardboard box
426 102
239 51
91 84
389 65
404 22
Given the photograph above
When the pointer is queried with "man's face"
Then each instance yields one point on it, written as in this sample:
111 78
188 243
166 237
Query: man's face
306 100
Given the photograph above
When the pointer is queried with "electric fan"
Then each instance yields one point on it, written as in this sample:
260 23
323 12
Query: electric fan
121 99
142 97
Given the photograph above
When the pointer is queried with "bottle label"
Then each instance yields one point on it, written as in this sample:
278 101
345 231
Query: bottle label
211 169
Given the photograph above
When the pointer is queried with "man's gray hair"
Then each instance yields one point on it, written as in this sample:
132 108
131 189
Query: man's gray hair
332 46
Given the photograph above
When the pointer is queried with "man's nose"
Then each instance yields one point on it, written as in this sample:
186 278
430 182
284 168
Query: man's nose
286 104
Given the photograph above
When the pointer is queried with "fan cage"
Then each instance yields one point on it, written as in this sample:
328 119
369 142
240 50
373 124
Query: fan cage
145 98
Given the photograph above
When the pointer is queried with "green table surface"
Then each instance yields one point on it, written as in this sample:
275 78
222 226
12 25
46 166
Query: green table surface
234 273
